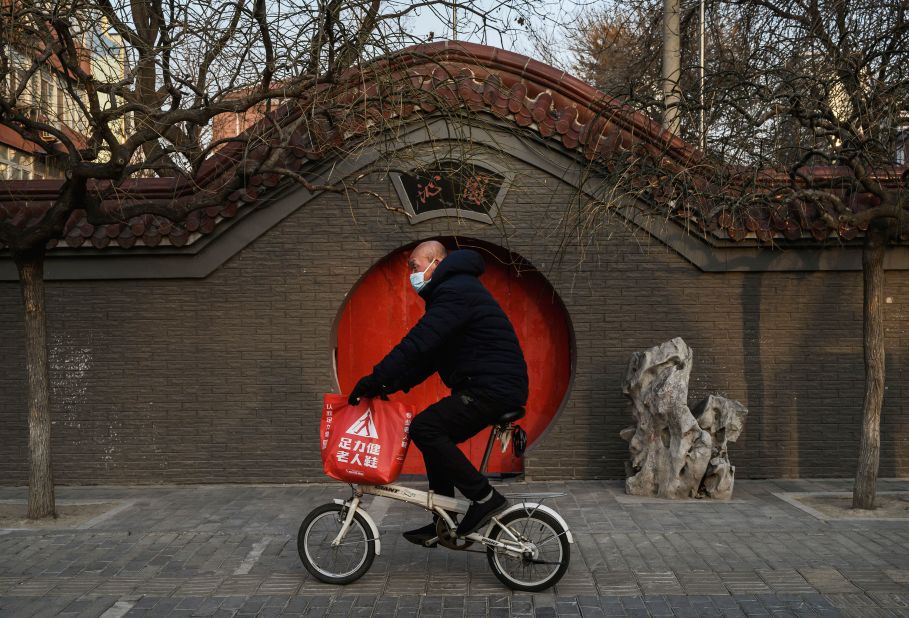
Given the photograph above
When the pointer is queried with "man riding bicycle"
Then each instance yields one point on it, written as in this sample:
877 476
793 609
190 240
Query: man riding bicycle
467 338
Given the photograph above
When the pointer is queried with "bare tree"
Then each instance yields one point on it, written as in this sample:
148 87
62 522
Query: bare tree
807 104
618 52
108 91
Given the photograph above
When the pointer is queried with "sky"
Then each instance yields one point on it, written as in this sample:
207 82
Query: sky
545 22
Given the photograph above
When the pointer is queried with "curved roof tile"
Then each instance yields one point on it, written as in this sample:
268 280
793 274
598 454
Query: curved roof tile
512 87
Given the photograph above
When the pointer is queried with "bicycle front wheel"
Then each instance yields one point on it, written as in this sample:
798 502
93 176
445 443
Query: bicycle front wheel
344 563
546 555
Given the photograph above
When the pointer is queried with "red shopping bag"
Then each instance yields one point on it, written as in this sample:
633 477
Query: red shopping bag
365 443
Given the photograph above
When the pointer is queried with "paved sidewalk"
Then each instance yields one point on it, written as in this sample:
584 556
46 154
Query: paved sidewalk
231 550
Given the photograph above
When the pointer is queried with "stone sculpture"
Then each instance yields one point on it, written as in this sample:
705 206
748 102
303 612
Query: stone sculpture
724 419
674 454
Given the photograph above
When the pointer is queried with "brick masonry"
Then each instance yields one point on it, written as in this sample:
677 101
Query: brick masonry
225 550
220 379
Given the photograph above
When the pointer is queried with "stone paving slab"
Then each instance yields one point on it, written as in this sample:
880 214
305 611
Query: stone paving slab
231 551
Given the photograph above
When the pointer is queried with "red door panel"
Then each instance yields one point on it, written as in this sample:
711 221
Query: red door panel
383 307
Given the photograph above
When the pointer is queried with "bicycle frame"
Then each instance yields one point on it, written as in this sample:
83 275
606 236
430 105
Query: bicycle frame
442 506
517 538
431 501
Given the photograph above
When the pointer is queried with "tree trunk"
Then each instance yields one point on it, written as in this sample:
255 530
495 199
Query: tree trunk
40 473
869 452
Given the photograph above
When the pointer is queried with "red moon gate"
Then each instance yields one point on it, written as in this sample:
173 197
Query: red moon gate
383 307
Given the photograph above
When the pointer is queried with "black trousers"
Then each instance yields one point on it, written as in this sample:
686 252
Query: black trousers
438 430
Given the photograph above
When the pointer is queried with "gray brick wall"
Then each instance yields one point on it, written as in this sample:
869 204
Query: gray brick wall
220 379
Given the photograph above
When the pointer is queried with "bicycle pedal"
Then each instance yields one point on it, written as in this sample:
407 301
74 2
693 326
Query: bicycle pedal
431 543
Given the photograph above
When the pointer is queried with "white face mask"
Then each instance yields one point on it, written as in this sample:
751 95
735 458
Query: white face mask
417 280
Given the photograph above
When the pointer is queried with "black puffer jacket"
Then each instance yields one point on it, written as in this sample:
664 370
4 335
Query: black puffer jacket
464 335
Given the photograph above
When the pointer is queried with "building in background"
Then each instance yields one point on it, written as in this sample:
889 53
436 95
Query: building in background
230 124
902 141
45 97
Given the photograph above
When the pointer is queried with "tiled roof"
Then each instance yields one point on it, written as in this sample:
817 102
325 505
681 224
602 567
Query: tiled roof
537 97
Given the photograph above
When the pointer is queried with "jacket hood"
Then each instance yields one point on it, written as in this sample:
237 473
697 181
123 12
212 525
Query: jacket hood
460 262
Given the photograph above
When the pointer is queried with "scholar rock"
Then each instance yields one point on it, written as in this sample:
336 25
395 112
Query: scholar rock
724 419
674 454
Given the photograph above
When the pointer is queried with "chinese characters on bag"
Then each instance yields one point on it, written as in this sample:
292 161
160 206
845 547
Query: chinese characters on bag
369 450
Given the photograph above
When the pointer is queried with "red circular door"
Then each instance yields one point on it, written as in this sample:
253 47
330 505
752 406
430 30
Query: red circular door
383 308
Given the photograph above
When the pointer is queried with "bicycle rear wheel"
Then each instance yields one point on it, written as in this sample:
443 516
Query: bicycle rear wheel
344 563
546 558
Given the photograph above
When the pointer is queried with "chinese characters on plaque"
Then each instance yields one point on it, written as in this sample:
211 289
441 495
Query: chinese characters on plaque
451 185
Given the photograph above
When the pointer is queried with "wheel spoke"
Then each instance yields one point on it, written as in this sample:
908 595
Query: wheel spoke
353 542
548 562
550 538
334 562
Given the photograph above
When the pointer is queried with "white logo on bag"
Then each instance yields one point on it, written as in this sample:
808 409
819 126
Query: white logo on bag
363 426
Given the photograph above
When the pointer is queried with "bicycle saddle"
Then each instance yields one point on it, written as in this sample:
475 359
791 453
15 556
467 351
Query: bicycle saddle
510 416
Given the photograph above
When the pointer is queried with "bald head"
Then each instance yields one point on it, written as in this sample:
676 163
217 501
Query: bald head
425 257
431 250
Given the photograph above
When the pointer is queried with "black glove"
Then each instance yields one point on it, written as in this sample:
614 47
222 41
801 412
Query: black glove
368 386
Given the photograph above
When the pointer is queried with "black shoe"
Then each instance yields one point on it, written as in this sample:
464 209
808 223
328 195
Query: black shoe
480 512
424 537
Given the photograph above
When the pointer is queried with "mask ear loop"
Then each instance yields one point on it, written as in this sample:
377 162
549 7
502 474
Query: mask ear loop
427 268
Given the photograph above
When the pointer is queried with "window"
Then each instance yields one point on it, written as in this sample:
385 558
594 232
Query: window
15 75
51 104
47 93
60 116
29 96
14 164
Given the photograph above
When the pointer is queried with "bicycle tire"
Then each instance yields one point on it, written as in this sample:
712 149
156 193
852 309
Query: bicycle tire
319 529
540 571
